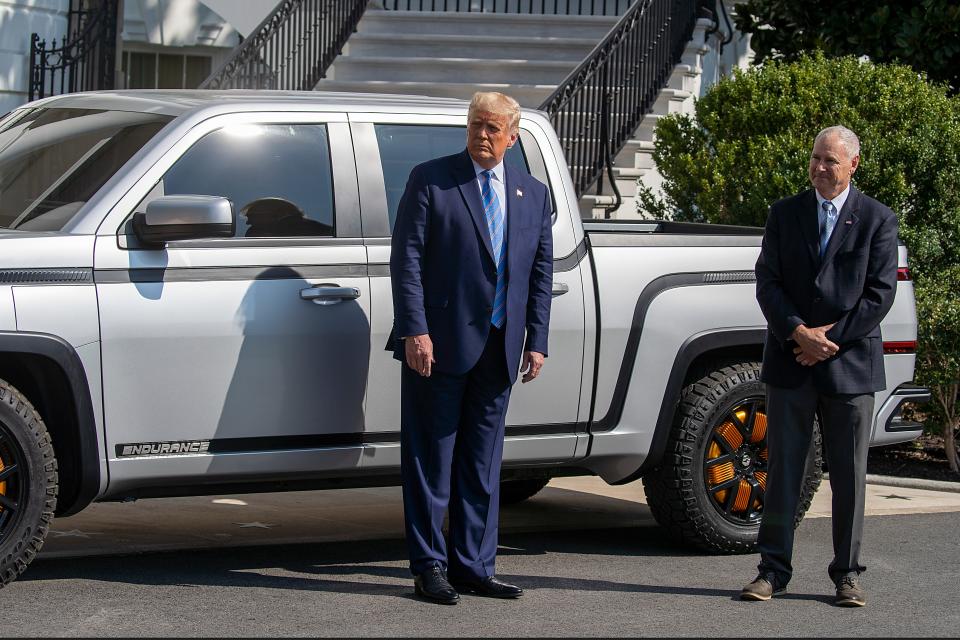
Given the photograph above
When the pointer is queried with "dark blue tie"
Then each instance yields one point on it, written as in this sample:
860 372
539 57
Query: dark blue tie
494 214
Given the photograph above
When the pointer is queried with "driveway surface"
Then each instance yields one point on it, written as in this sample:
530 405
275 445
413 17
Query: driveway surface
590 557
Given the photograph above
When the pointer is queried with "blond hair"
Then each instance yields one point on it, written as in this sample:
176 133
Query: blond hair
496 103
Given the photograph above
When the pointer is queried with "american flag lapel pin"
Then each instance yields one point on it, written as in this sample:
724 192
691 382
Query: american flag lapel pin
519 193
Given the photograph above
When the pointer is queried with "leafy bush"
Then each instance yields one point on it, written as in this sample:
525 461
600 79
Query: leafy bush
938 304
750 144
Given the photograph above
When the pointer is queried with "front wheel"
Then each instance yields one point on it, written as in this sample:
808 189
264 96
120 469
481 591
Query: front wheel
709 488
28 483
515 491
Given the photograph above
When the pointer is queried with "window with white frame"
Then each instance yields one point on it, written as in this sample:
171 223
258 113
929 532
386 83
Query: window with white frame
156 70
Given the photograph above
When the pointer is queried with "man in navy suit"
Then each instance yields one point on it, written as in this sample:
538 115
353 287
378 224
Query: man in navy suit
826 277
471 267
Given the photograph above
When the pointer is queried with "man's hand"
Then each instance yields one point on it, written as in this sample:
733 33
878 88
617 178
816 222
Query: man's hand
419 352
813 346
532 362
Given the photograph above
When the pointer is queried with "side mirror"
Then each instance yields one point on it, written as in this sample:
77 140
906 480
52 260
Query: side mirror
170 218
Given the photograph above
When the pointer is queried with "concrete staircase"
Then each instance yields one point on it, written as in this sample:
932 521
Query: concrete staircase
525 56
634 164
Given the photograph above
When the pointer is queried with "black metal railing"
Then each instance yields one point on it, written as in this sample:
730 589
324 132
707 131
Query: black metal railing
543 7
292 48
85 60
597 108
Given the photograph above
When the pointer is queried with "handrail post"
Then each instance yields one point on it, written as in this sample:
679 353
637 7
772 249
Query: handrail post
635 31
86 57
292 48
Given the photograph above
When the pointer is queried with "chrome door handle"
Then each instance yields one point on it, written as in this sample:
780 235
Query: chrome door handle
328 294
560 288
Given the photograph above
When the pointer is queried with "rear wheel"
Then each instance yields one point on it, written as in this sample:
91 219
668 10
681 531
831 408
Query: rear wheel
709 488
28 483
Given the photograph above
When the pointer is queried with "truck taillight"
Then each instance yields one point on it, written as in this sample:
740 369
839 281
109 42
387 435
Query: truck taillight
902 346
903 273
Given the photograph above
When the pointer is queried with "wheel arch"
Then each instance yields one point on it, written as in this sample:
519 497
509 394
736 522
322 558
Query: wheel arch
47 370
697 354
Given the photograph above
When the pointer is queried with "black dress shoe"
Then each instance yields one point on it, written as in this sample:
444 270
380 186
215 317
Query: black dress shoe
489 587
432 584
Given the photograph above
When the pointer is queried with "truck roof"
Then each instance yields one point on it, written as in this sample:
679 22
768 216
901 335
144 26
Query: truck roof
178 102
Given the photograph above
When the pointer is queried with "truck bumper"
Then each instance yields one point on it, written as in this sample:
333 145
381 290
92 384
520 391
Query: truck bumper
890 426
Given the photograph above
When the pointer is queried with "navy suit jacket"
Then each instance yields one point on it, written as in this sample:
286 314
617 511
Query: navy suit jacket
853 285
442 268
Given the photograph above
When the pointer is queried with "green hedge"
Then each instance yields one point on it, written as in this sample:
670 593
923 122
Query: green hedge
750 143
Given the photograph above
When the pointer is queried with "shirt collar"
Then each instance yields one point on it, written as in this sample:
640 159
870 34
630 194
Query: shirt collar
497 170
838 202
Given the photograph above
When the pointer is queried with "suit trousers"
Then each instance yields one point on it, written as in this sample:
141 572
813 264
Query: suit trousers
452 429
845 422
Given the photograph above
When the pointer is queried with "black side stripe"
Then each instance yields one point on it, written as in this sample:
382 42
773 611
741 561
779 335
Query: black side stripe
334 440
46 276
570 261
649 293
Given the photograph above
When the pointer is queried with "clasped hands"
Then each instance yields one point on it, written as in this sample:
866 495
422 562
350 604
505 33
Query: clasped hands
813 346
419 354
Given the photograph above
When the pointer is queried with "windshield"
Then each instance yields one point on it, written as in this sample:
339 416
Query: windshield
53 160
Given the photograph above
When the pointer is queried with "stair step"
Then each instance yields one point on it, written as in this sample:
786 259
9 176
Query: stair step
434 23
528 95
399 69
482 46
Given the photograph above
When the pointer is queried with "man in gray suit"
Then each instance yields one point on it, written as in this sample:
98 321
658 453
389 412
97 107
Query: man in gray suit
826 277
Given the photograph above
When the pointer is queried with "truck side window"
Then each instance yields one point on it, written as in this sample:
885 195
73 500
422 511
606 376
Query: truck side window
277 176
404 146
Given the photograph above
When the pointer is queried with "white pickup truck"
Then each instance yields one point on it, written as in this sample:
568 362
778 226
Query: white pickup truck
195 295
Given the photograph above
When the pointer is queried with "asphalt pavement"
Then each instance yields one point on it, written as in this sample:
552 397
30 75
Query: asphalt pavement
591 558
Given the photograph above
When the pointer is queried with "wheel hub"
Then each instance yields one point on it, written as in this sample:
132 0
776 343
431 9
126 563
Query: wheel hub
735 462
745 461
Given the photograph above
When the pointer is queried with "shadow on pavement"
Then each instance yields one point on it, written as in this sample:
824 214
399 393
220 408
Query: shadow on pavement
369 567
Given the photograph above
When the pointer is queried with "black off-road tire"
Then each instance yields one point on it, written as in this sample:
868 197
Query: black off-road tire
28 483
686 490
514 491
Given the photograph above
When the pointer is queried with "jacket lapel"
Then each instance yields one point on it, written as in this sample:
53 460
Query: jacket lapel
846 220
809 225
515 199
470 190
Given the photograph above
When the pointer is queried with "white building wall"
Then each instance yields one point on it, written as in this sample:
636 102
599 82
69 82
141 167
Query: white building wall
176 23
736 53
188 27
19 19
182 26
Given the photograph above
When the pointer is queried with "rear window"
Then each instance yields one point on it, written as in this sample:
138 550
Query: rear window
52 160
404 146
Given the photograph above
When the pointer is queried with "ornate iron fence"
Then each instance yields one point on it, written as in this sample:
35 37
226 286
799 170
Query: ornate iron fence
86 59
292 48
597 108
551 7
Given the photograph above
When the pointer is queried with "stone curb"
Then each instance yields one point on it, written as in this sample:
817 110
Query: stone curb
914 483
911 483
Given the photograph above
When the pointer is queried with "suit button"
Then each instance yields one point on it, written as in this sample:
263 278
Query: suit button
489 309
818 299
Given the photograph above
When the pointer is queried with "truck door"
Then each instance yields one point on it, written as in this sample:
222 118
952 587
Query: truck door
230 351
542 423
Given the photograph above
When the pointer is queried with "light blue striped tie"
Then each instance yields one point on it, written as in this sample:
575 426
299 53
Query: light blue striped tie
829 221
495 223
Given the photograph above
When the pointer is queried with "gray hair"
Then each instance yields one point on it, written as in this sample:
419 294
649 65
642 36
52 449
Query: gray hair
848 138
496 103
